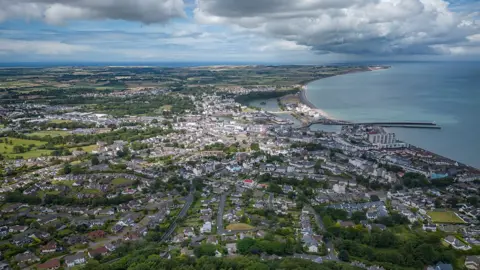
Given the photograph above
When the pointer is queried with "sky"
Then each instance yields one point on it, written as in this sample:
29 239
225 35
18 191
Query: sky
270 31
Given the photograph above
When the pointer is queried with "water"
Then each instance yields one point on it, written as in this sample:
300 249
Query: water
447 93
272 105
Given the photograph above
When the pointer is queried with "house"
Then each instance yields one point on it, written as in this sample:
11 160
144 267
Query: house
188 232
248 183
51 247
187 252
443 266
50 265
310 243
26 257
75 239
232 248
131 236
212 239
20 240
17 229
346 224
98 234
430 227
455 243
77 259
4 266
472 262
101 251
117 228
206 228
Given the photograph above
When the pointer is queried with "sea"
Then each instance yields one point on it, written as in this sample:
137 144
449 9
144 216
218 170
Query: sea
447 93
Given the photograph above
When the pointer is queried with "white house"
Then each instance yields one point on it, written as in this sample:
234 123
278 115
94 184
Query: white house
206 228
76 259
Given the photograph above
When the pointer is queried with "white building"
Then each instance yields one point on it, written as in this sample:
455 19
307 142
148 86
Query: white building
381 138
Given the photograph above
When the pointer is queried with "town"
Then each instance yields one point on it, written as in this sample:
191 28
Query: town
93 177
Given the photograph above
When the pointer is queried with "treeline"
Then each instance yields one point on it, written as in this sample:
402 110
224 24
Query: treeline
120 134
18 197
248 246
243 99
307 146
135 258
144 104
416 180
63 125
387 249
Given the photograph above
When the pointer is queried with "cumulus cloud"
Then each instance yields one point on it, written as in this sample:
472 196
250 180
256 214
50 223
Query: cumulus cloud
348 26
60 11
12 46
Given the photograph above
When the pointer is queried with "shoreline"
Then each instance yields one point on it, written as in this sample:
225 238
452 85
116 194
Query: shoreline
303 93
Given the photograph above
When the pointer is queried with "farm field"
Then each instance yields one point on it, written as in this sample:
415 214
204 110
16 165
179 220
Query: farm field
88 148
52 133
444 217
239 227
7 148
120 181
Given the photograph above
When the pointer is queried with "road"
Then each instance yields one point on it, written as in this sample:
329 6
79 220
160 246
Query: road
270 201
221 209
329 244
183 213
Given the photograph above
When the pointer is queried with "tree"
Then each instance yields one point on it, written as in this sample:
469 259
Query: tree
453 201
344 256
473 200
67 168
255 147
244 245
205 250
358 216
95 160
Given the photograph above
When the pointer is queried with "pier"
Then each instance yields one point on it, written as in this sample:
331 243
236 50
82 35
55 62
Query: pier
425 125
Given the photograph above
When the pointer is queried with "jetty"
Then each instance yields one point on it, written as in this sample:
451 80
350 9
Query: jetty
424 125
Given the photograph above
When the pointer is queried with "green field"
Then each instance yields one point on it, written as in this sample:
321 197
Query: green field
58 121
7 149
88 148
52 133
239 227
121 181
444 217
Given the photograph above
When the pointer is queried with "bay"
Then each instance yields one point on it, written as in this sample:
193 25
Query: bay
445 92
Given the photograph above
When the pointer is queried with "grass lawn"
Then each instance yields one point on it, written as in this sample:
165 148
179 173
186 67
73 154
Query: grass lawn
91 191
52 133
59 121
239 227
444 217
67 183
88 148
121 181
6 149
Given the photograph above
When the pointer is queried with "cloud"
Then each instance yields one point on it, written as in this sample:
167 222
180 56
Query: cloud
12 46
61 11
372 27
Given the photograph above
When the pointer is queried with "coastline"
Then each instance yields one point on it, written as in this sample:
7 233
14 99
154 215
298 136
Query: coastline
303 93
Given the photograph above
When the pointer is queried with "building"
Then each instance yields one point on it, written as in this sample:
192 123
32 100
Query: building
455 243
101 251
77 259
50 265
381 138
472 262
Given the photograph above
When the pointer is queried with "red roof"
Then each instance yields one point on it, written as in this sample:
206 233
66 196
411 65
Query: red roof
97 251
55 263
248 181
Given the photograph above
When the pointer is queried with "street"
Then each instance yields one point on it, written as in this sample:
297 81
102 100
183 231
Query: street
221 208
183 213
331 249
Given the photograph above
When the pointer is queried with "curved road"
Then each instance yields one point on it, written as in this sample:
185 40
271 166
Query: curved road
183 213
